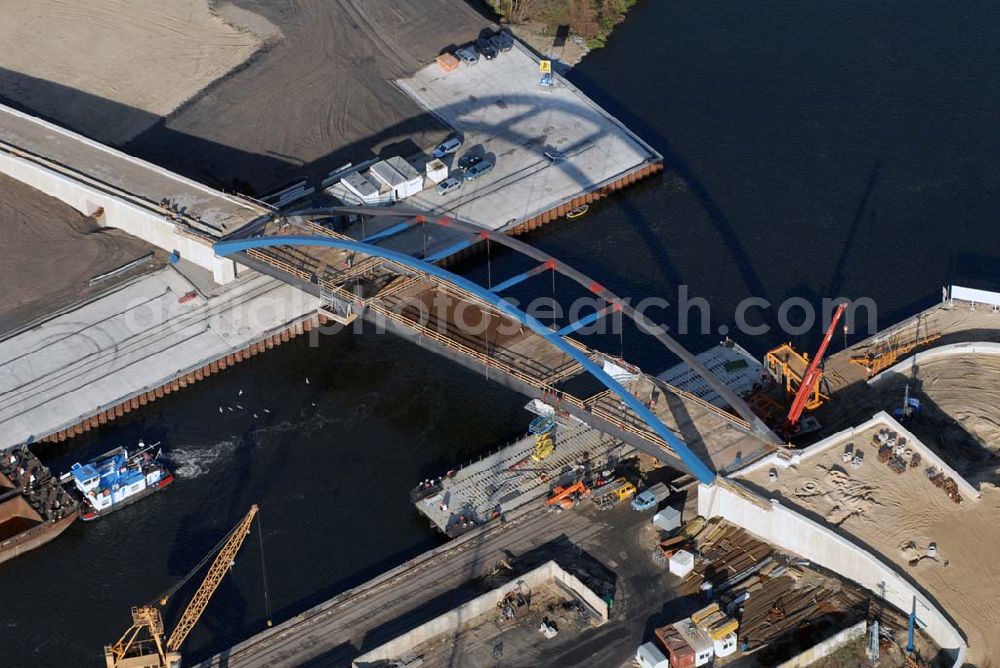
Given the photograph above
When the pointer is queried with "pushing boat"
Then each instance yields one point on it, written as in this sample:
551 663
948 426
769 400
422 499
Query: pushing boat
117 479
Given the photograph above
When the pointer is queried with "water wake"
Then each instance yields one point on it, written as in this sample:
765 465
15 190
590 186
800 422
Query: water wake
192 463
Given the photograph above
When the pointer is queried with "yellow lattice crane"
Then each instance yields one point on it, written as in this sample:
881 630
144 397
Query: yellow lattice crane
142 645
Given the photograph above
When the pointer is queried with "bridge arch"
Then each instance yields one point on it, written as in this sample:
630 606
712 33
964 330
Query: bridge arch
695 465
475 233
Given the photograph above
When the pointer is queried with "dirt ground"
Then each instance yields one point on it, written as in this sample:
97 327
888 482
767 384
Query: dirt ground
959 420
539 37
320 96
49 252
111 68
899 515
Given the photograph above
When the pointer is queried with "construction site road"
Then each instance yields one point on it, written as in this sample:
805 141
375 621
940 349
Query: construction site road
335 632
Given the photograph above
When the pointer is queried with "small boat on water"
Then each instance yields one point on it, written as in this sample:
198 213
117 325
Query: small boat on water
117 479
578 211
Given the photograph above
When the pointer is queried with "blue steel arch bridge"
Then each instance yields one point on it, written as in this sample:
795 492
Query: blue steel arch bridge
384 264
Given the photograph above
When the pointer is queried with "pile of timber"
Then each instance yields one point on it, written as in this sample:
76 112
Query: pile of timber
777 606
715 622
728 554
768 598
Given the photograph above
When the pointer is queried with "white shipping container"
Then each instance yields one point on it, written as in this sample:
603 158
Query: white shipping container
681 563
649 656
437 171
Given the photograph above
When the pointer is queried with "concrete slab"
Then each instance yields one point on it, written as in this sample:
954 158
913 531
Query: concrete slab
128 341
502 112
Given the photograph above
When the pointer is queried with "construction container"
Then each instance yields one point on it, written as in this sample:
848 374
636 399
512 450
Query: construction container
396 176
697 640
436 170
360 189
649 656
679 652
668 519
681 563
413 181
447 62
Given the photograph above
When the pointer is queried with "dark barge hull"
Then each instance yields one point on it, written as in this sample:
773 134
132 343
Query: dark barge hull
34 537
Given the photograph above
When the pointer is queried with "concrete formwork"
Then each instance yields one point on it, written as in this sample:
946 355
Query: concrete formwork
452 621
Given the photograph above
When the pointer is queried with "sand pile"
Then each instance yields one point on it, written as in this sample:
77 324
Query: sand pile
49 252
112 68
835 494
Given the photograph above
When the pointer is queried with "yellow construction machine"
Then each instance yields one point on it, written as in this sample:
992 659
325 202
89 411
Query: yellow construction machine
142 645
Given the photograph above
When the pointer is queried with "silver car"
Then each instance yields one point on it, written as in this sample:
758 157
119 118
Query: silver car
448 146
449 185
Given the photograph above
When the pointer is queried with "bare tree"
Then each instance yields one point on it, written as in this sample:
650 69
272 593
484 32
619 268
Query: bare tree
516 11
583 18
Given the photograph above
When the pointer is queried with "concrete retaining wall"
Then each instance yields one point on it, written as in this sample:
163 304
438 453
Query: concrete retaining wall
119 213
791 531
598 193
452 620
941 352
827 647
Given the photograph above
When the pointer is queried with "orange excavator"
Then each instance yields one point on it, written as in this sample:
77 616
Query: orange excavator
565 497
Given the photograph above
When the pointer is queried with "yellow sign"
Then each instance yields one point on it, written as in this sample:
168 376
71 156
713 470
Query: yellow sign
545 66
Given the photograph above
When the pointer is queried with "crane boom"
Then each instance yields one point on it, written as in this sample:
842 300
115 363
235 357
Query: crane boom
811 376
217 571
142 646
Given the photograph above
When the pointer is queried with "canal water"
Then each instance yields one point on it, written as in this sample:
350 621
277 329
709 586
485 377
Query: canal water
813 149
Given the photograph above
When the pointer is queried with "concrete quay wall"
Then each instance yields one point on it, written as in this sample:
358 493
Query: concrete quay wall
185 378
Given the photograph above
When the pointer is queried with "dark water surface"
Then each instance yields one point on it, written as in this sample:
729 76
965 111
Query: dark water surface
840 148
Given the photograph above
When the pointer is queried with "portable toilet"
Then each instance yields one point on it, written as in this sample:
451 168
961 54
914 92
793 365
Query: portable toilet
725 645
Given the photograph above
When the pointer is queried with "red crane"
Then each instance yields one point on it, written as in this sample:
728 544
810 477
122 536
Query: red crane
810 378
